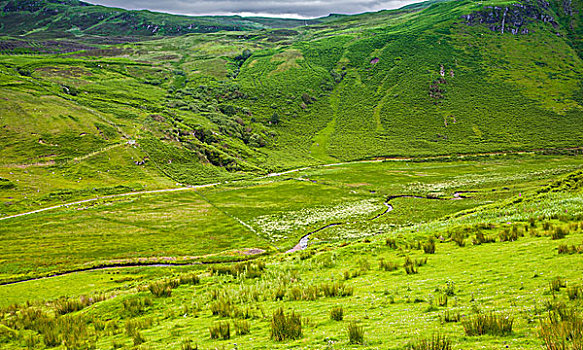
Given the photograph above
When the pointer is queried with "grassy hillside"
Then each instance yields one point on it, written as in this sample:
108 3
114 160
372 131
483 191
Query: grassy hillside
72 18
437 79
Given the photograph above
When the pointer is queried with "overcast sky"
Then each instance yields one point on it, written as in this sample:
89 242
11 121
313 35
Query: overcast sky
281 8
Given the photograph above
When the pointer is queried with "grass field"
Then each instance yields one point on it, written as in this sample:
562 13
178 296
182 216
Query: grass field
498 259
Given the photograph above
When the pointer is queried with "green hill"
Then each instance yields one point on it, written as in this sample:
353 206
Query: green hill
443 78
73 18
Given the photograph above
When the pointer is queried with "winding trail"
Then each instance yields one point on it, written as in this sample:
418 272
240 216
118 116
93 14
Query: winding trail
105 197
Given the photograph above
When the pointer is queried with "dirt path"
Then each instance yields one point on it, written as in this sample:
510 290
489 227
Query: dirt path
107 197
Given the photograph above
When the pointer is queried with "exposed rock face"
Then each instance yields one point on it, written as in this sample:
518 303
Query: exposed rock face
512 18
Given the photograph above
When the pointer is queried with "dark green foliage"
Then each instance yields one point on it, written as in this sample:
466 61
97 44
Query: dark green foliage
492 324
220 330
337 313
459 238
574 292
67 305
442 300
222 307
391 242
436 342
355 333
187 345
285 326
191 279
248 269
570 249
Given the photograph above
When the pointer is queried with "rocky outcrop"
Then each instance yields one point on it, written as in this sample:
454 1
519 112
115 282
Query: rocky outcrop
513 18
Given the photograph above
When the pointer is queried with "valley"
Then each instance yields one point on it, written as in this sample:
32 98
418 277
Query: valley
402 179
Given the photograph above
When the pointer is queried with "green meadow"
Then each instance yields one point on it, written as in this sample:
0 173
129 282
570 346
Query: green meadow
408 179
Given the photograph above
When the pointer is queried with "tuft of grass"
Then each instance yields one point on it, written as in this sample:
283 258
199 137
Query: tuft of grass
161 288
355 333
285 326
429 246
242 327
556 284
574 292
491 324
436 342
559 233
449 317
388 265
337 313
409 266
221 329
562 330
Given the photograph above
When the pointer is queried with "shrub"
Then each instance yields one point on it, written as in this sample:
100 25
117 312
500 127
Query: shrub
459 238
508 236
138 338
488 324
220 330
436 342
242 327
337 313
572 249
336 289
355 333
222 307
482 239
285 327
279 293
429 247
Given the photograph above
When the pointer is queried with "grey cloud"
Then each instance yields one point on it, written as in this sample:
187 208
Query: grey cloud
291 8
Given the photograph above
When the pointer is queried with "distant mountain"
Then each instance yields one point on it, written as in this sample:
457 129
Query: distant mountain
71 18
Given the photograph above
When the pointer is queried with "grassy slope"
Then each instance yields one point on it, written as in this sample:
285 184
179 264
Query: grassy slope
201 111
70 19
